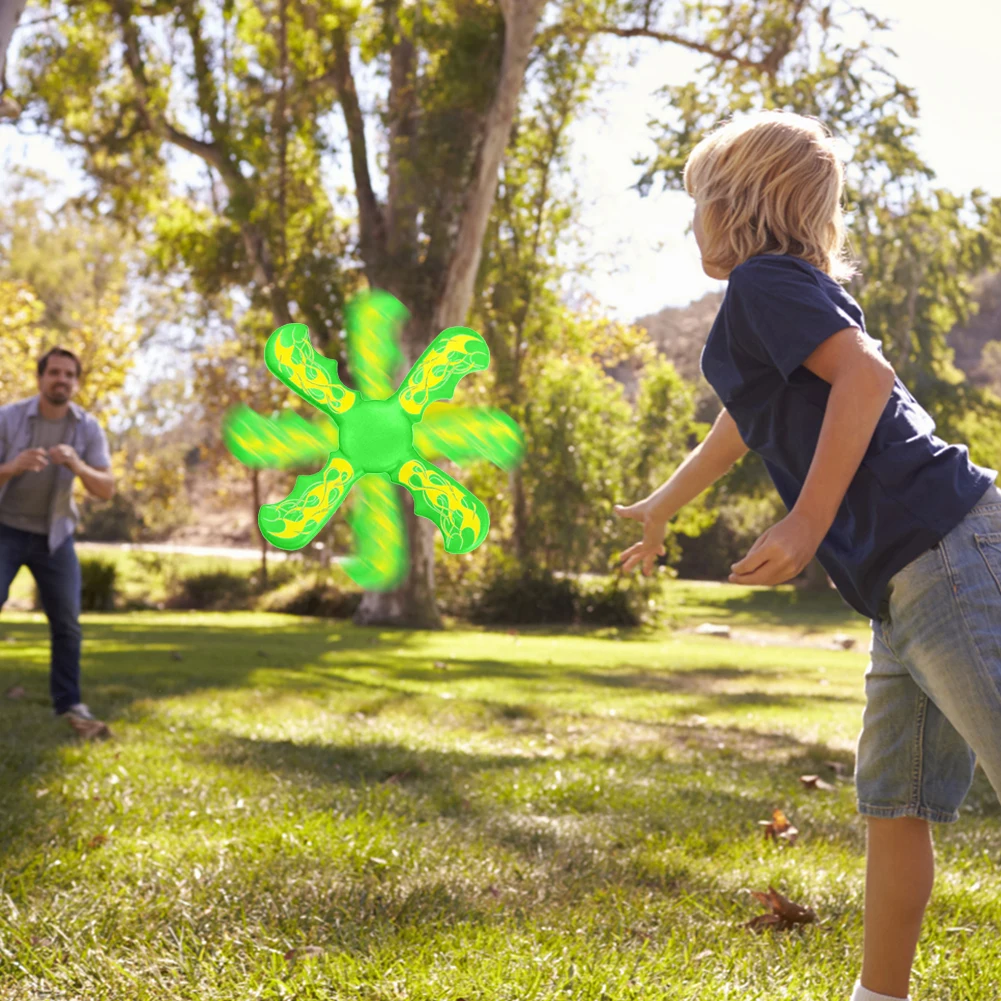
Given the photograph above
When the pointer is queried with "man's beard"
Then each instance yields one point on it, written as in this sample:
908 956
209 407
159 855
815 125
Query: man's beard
57 395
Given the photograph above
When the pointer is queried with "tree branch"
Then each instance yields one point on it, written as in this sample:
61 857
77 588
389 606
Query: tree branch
769 63
688 43
155 120
370 218
401 207
213 153
521 18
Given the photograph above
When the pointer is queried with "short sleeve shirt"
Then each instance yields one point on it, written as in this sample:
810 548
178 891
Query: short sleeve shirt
17 431
911 489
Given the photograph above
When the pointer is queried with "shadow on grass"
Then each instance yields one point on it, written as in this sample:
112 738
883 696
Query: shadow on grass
136 658
149 658
793 608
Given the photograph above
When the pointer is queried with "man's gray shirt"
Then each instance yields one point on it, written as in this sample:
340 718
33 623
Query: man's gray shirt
21 428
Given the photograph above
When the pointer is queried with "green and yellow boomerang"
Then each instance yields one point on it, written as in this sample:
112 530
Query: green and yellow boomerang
375 438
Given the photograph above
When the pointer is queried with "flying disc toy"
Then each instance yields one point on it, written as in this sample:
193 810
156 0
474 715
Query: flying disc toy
372 438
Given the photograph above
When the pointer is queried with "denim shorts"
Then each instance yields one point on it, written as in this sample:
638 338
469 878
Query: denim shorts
933 686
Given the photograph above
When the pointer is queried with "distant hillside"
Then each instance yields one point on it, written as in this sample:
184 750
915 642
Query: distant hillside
968 341
680 332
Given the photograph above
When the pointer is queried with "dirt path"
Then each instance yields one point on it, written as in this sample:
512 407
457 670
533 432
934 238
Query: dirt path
228 552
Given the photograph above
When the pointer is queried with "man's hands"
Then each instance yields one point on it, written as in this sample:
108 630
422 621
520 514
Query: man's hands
65 455
34 460
31 460
652 545
780 553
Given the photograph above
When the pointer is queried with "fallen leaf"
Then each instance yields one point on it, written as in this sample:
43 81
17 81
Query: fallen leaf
512 632
815 782
303 952
779 827
40 793
16 692
761 921
176 655
782 913
42 943
97 840
397 777
441 665
493 891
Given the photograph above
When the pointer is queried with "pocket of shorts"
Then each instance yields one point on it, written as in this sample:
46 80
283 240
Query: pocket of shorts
990 549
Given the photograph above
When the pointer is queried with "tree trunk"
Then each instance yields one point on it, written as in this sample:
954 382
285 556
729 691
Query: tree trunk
517 486
521 18
413 604
255 480
10 13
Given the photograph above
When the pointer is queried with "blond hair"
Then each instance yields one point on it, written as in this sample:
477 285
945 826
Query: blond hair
770 183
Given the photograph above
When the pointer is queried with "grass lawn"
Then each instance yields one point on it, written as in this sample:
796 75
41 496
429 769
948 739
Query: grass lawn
304 809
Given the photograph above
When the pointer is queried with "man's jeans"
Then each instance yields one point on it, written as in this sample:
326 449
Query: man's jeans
58 577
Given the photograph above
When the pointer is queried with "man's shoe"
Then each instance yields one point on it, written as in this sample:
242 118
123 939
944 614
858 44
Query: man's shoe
85 723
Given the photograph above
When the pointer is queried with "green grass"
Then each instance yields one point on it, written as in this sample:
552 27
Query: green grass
467 814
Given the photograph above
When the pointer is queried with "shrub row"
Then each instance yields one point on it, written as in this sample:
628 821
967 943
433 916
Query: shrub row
504 594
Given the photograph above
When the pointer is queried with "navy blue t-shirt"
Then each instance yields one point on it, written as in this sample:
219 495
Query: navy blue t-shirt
911 489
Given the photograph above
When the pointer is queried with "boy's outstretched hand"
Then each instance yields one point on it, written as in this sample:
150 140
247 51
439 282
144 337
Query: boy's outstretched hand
652 545
780 553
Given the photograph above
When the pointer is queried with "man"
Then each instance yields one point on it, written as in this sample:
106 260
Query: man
45 442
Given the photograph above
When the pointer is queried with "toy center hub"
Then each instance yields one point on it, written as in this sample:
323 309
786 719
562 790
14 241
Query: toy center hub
375 435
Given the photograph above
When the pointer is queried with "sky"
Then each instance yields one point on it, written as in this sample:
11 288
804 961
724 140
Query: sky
642 259
950 61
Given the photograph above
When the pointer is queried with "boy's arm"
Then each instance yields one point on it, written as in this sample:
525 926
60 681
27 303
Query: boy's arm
717 452
861 382
720 449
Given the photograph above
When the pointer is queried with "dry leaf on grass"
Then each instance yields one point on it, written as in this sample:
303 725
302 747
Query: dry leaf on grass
16 692
815 782
779 827
782 914
97 840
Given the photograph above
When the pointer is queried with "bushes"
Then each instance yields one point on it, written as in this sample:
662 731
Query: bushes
98 586
311 596
527 596
218 590
516 596
224 590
